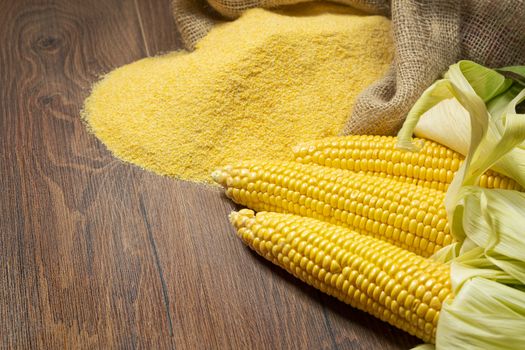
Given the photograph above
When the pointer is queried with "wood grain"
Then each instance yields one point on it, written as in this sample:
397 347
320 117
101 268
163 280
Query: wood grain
101 254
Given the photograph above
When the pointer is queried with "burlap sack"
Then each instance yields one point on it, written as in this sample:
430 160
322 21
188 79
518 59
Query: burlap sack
429 36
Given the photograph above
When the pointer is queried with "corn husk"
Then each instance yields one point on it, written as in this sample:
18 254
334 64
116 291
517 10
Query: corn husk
488 261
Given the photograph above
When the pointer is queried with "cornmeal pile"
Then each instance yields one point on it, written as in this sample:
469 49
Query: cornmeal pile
253 88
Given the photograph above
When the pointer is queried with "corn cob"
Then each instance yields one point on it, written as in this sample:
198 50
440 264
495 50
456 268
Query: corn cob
395 285
407 215
433 166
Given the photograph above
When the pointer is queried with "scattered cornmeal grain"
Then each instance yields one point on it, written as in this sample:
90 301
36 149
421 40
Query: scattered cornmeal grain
252 89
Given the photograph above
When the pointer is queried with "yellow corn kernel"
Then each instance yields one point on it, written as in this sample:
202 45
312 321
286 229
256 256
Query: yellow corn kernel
363 271
433 166
407 215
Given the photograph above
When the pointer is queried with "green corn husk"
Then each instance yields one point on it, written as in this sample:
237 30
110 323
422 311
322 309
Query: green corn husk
488 262
441 114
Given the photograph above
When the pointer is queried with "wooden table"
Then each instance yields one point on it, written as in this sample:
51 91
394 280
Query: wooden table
96 253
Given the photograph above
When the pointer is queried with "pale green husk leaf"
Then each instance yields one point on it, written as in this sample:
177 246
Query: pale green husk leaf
483 315
442 110
488 261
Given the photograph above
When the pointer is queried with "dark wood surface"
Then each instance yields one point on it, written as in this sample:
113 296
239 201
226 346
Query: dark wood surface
96 253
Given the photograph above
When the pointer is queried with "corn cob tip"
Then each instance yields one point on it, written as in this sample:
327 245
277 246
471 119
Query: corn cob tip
240 220
219 176
233 217
237 218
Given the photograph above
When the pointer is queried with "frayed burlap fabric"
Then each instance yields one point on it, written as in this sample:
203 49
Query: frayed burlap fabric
429 36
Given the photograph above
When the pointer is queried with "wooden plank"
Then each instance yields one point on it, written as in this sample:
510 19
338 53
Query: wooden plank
78 268
158 27
356 330
221 294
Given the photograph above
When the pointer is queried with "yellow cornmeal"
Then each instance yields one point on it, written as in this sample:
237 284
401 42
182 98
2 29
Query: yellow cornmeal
252 89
